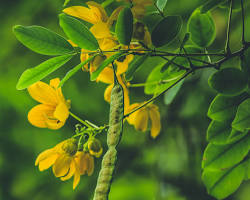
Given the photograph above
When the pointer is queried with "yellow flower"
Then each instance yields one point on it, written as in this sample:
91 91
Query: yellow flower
107 93
140 118
141 33
66 161
96 15
85 162
139 7
93 14
53 110
122 65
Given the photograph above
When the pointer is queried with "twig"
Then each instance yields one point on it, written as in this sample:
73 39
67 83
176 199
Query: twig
155 97
227 47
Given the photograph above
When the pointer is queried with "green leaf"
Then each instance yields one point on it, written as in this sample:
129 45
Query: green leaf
158 82
166 30
170 94
222 133
37 73
78 33
201 28
245 62
228 81
222 183
224 108
105 63
151 20
71 72
124 26
218 132
161 4
210 4
247 168
224 156
242 119
135 65
42 40
236 135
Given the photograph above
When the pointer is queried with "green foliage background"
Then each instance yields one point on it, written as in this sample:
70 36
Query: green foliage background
168 168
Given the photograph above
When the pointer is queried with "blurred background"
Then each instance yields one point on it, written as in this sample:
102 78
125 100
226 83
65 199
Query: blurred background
167 168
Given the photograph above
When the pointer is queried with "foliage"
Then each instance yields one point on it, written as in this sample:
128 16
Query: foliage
146 40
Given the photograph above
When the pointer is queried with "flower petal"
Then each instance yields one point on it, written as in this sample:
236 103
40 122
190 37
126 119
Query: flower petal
81 162
44 155
61 112
123 66
48 162
83 13
107 44
54 83
62 165
76 177
130 118
107 93
90 164
106 76
43 93
38 115
98 10
140 120
154 115
71 172
54 124
100 30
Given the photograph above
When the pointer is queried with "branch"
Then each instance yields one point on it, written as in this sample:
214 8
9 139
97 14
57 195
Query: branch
153 98
227 48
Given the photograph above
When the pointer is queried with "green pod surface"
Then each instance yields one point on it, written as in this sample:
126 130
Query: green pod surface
124 26
114 136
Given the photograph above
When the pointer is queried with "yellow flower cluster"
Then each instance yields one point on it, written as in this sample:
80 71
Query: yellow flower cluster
67 161
102 24
67 158
52 113
97 16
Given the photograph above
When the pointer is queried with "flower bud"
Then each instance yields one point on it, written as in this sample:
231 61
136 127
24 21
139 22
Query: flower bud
95 147
70 146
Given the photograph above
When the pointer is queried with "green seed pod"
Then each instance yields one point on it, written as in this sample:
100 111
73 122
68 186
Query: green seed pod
105 175
113 138
124 26
115 116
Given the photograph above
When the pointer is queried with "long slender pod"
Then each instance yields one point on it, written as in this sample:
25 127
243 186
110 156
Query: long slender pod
113 138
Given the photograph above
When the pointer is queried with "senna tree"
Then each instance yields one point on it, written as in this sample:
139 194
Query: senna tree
113 49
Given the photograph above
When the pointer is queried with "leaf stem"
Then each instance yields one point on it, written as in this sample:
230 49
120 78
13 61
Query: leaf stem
88 124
